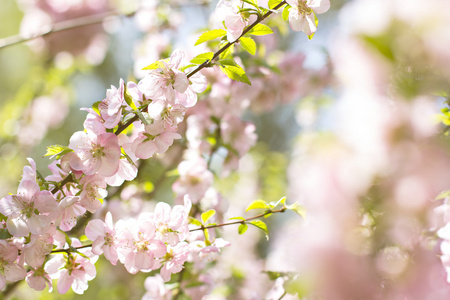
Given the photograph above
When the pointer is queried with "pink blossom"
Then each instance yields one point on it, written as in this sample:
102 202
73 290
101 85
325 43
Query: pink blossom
69 210
165 81
172 224
235 22
238 134
194 180
156 289
94 122
174 260
170 115
302 14
39 246
9 271
94 189
95 153
103 236
74 271
38 279
127 164
111 107
28 210
138 246
154 140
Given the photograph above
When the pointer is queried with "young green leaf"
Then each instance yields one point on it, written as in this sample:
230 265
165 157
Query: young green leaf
4 234
210 35
242 228
261 225
57 150
273 3
233 71
194 221
316 20
201 58
260 29
207 215
258 204
154 66
248 44
285 13
298 209
228 52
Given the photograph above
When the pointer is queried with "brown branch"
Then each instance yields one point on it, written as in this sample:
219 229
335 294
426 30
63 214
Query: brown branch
207 63
281 210
62 26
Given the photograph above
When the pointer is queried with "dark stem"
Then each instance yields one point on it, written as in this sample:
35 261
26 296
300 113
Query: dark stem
281 210
228 45
61 26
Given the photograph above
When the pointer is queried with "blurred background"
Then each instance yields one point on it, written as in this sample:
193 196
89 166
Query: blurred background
351 124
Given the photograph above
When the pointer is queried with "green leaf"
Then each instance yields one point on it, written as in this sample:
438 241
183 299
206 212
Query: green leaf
144 117
128 98
261 225
248 44
273 3
201 58
242 228
207 215
233 71
260 29
252 3
258 204
274 204
299 209
4 234
285 13
57 150
443 195
228 52
187 67
316 20
195 221
210 35
154 66
95 107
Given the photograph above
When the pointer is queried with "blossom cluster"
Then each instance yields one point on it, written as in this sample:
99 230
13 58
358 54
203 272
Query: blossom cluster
42 209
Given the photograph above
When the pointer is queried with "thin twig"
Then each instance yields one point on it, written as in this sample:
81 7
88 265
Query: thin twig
228 45
61 26
281 210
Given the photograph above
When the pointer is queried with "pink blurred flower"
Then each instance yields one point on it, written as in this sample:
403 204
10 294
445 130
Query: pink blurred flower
10 271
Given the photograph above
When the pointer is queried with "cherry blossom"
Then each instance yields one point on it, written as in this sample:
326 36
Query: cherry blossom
138 244
172 224
28 210
235 21
38 279
74 271
103 236
95 153
302 14
69 210
174 260
10 271
111 107
94 189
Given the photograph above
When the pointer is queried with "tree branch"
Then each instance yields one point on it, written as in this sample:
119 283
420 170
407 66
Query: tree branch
62 26
228 45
